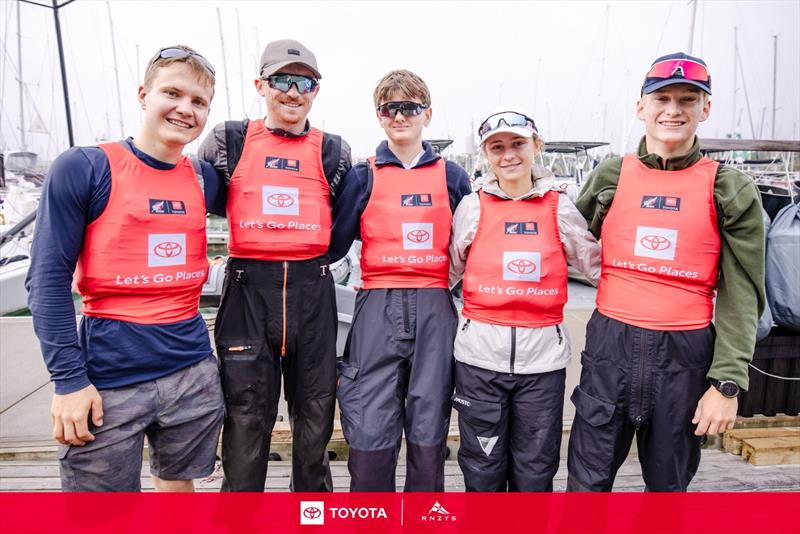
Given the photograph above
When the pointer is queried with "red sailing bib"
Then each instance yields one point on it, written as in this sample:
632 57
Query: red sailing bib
144 258
516 272
278 198
661 247
405 228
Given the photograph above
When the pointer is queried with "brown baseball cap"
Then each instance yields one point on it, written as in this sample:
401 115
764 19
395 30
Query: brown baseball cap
278 54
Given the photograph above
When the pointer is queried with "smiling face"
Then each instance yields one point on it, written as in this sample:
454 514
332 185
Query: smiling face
510 157
404 131
176 105
671 116
288 111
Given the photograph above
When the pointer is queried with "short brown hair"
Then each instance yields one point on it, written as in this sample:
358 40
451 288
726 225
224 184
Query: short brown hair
404 82
193 60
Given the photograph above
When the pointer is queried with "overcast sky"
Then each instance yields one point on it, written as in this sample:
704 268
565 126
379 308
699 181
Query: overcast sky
577 66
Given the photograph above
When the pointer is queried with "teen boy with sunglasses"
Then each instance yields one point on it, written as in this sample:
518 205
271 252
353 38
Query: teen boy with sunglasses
128 219
397 373
278 309
676 228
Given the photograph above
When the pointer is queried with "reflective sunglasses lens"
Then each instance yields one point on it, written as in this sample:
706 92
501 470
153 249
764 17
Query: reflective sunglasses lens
408 109
284 82
509 118
680 67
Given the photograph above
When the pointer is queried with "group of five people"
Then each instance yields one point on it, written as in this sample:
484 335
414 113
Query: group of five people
127 221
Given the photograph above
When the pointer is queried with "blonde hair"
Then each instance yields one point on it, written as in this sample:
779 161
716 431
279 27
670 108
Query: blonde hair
204 76
404 82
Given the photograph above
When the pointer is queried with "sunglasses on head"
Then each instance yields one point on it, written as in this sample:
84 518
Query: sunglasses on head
174 52
284 82
509 118
683 68
408 109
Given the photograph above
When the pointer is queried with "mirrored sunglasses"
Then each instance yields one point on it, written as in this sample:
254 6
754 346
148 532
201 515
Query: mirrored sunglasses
389 110
173 52
284 82
509 118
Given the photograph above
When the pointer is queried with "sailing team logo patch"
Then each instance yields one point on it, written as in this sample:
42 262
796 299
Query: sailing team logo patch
420 199
417 236
522 266
282 164
658 243
167 207
521 228
661 203
165 250
277 200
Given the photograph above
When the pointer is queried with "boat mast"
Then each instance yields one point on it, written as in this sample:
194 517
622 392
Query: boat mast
21 84
774 80
691 27
116 73
241 69
735 75
224 64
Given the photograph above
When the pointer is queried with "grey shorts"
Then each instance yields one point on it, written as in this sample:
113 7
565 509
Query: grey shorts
181 414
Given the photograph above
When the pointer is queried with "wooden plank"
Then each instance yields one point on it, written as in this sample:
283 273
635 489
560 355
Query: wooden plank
732 439
772 451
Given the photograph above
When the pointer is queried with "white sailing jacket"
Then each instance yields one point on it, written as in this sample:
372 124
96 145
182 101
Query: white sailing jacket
519 350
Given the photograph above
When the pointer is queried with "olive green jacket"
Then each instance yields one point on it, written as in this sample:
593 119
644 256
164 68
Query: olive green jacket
740 289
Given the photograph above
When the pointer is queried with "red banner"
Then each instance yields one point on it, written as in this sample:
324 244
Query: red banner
85 513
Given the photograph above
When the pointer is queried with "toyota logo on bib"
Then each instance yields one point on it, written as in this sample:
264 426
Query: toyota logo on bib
312 512
276 200
167 249
418 236
653 242
281 200
164 250
522 265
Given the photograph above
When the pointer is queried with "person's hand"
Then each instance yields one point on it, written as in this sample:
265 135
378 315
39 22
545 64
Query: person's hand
70 415
715 413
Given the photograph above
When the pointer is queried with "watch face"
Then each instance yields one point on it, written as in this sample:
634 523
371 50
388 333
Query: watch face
729 389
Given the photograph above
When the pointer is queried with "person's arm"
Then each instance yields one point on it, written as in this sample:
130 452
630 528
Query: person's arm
458 185
336 162
597 193
214 188
348 205
71 199
465 225
741 296
580 247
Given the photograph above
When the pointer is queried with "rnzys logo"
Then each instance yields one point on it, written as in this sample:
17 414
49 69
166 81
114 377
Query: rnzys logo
282 164
658 243
276 200
522 266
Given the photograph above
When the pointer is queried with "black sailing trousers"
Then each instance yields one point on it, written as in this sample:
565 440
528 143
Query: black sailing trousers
277 318
642 383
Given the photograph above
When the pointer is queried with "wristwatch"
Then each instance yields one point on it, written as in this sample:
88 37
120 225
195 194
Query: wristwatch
728 388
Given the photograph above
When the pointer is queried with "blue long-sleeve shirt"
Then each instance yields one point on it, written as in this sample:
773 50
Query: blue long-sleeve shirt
355 194
107 353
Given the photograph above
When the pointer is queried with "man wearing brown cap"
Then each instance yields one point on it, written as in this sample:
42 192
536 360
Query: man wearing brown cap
677 229
278 309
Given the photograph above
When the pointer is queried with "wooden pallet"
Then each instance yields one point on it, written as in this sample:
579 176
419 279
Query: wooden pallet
765 446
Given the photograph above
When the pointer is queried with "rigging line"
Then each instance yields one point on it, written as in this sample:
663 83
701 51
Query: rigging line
68 36
790 378
664 28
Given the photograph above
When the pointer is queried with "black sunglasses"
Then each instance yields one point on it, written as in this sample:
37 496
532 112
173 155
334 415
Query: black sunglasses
284 82
408 109
173 52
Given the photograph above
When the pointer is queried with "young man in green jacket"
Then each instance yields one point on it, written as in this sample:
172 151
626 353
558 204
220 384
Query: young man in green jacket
676 230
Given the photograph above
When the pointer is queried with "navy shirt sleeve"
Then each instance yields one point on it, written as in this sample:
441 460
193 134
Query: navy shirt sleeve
73 195
215 189
347 208
457 183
